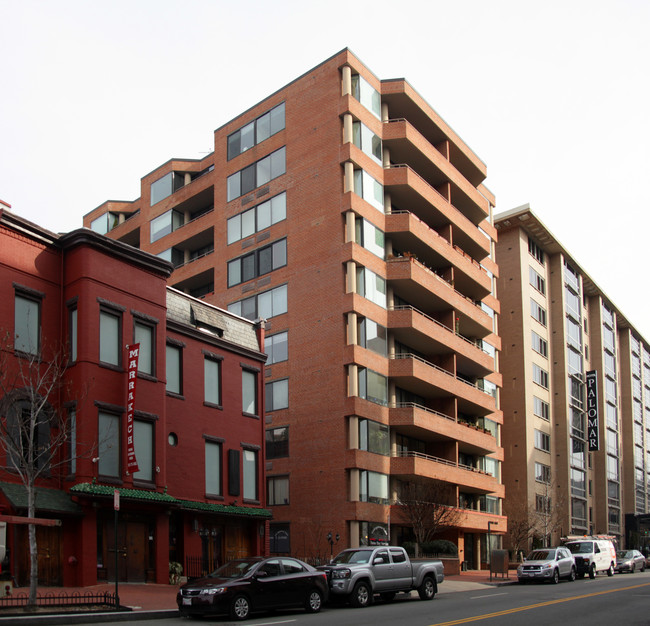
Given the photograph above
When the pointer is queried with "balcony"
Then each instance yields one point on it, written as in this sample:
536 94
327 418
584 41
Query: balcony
469 520
408 465
409 190
412 373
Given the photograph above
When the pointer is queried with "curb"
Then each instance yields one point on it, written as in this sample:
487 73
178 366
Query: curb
83 618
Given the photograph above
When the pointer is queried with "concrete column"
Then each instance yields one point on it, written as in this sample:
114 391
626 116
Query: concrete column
354 485
346 83
348 177
186 257
354 534
121 218
392 395
351 277
353 432
187 179
390 295
348 134
388 247
384 112
385 157
352 329
477 550
350 226
353 380
391 346
393 443
388 203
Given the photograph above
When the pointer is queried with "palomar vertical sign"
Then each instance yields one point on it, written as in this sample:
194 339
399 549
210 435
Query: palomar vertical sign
593 426
132 376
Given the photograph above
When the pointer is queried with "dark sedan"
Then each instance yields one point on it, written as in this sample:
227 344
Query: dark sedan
254 584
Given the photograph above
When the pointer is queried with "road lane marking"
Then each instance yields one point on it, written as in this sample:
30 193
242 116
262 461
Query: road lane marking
489 595
476 618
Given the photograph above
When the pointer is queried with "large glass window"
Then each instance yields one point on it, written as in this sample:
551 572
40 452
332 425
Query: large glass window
369 189
574 361
366 94
256 131
537 281
574 333
372 336
257 263
541 408
110 337
276 347
249 392
277 442
211 381
374 437
174 369
542 473
263 305
369 236
536 251
277 490
540 376
27 324
143 440
144 335
166 186
539 344
108 451
364 139
371 286
373 386
105 223
257 218
250 474
577 453
73 318
277 395
255 175
373 487
164 224
542 441
213 468
538 312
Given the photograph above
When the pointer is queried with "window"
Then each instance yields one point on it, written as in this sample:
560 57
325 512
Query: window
571 278
27 324
576 392
255 175
250 474
574 333
577 423
249 392
537 281
174 371
540 376
542 504
143 438
166 186
369 189
364 139
110 333
27 447
541 408
612 467
211 381
373 437
577 453
369 236
72 333
538 312
539 345
277 442
175 256
536 251
371 286
366 94
257 218
109 445
578 513
373 487
71 427
213 468
257 263
542 441
277 395
164 224
572 303
279 537
372 336
542 473
105 223
277 490
256 131
574 360
276 347
144 335
373 386
263 305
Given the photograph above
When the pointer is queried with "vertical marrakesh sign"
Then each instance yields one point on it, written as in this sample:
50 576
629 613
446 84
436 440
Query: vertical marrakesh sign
593 427
132 376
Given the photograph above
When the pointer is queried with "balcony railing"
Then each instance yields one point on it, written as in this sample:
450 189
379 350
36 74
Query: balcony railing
412 454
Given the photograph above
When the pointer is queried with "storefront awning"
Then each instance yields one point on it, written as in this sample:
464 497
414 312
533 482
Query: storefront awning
47 500
225 509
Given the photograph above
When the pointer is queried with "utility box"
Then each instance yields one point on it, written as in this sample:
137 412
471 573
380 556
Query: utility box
499 562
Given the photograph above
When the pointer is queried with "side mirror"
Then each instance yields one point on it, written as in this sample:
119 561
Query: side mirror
377 560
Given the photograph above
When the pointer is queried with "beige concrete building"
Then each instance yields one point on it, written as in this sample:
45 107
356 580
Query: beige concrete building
577 454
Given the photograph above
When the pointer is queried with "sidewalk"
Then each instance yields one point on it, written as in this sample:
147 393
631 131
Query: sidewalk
149 601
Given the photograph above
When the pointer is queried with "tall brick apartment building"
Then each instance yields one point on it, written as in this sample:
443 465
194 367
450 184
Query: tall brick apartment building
344 211
197 493
559 326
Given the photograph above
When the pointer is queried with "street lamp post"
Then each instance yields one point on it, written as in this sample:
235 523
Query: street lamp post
332 541
489 546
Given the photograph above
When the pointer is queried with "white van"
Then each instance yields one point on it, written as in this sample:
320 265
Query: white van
593 555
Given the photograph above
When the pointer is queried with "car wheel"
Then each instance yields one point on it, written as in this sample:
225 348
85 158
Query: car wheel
389 596
632 568
643 567
361 595
427 590
610 569
572 575
592 571
240 607
556 577
314 601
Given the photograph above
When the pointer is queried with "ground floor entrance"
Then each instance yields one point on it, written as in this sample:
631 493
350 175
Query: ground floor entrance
129 550
49 550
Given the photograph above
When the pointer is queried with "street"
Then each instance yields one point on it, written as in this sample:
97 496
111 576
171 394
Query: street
603 601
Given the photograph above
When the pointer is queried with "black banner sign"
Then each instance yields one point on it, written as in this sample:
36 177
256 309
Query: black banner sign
593 427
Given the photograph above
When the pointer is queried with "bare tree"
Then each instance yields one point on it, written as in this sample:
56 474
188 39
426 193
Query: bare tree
548 513
35 431
430 509
521 525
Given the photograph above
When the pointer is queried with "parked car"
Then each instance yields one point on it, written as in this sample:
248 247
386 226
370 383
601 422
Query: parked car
629 561
243 586
593 555
357 574
548 564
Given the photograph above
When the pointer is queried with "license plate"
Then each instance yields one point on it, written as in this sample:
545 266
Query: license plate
187 600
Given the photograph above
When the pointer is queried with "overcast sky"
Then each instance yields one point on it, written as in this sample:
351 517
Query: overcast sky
553 96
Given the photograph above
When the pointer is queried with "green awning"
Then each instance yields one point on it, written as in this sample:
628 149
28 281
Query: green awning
224 509
47 500
90 489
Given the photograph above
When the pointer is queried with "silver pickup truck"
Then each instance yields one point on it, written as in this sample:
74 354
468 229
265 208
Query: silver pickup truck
358 574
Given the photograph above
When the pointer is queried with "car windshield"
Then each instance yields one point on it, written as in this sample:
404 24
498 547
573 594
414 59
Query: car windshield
541 555
234 569
624 554
584 547
353 556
